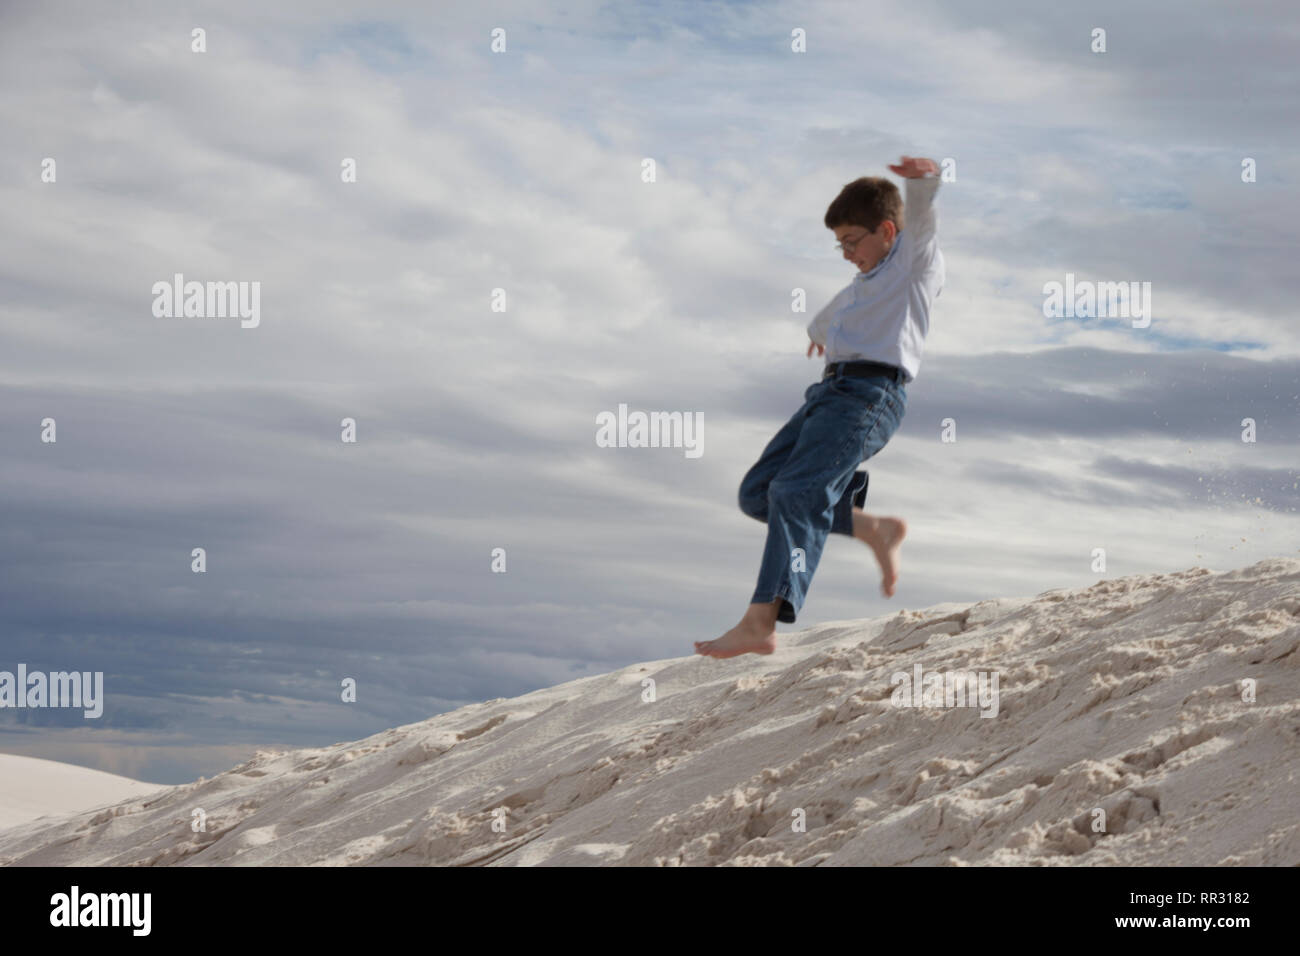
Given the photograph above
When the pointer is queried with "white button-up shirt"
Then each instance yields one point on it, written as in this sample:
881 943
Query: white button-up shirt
884 315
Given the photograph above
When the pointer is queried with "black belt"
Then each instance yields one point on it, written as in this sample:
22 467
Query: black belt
864 369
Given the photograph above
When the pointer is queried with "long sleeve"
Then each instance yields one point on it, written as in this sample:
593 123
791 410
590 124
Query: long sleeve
821 322
920 221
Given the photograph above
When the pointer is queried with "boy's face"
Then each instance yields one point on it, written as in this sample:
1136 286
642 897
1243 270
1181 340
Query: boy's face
865 249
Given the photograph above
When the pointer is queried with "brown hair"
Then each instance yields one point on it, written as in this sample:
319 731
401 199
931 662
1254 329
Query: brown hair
866 202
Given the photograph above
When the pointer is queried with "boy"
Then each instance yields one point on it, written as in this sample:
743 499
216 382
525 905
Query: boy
804 485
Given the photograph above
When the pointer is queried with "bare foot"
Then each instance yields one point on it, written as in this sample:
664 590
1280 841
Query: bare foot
755 634
884 536
741 639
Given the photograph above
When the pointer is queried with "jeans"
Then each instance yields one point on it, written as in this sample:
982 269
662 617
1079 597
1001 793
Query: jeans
804 485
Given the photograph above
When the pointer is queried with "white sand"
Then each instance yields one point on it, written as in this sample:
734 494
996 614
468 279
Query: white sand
1125 696
31 788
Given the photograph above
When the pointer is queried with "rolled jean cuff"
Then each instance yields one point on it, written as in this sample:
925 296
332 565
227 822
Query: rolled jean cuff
787 612
854 496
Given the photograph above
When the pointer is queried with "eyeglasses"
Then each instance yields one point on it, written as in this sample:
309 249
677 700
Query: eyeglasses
848 245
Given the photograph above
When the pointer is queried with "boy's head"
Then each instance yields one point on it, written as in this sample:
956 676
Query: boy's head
866 217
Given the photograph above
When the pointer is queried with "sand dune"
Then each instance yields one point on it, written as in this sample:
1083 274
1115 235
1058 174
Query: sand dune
31 788
1125 698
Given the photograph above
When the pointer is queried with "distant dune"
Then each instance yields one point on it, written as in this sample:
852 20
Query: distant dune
32 788
1123 732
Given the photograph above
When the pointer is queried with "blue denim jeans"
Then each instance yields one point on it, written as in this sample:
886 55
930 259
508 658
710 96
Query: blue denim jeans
805 484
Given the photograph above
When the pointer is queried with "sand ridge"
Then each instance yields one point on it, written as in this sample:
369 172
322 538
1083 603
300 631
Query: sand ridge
1125 698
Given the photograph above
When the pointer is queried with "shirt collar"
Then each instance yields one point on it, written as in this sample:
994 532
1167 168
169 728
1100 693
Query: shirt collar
881 264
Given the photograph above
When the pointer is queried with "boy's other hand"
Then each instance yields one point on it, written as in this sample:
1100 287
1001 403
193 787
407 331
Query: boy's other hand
821 349
915 167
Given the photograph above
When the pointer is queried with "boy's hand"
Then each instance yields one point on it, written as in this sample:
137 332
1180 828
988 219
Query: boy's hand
915 167
821 349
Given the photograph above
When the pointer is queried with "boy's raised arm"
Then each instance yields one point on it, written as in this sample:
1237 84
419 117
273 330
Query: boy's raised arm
919 218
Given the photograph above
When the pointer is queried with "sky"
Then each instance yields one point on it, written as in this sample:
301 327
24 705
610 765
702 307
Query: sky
517 176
